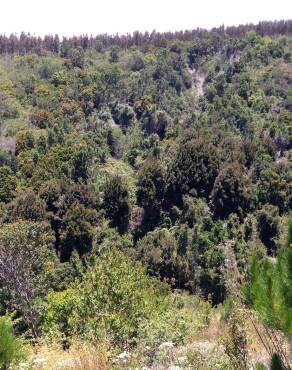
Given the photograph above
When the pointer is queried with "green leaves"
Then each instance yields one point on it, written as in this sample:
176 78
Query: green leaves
231 192
270 290
116 202
11 348
113 297
194 169
8 184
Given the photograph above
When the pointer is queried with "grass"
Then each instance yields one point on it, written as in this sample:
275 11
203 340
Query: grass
80 356
202 351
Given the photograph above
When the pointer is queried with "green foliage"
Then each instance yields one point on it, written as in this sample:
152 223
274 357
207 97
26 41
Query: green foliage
124 115
78 230
26 206
231 192
9 107
27 262
268 225
116 202
170 147
11 348
62 314
270 289
235 343
114 55
185 317
194 169
276 363
77 57
274 187
150 191
259 366
113 297
158 251
8 184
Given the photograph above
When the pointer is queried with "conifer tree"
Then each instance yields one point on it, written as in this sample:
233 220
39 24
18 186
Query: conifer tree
270 288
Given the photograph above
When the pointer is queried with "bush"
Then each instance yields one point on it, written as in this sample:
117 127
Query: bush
11 348
41 118
61 318
185 316
114 297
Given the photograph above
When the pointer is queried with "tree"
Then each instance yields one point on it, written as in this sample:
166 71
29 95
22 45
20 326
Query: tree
81 165
114 55
150 191
158 251
231 192
26 206
268 227
77 57
116 202
155 122
115 141
124 115
269 289
274 187
205 258
77 230
26 251
8 184
194 169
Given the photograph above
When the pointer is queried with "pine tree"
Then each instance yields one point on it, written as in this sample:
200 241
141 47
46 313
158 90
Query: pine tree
270 288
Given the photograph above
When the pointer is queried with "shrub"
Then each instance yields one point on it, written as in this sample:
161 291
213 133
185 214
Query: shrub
41 118
61 318
11 348
235 342
185 316
114 297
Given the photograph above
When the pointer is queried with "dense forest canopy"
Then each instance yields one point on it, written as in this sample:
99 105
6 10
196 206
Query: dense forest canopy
25 43
133 167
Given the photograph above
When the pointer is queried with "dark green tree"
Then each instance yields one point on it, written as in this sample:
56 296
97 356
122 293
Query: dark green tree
150 191
116 202
158 251
78 230
27 206
194 169
8 184
231 192
268 227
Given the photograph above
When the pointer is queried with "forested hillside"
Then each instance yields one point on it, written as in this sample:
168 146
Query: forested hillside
145 186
